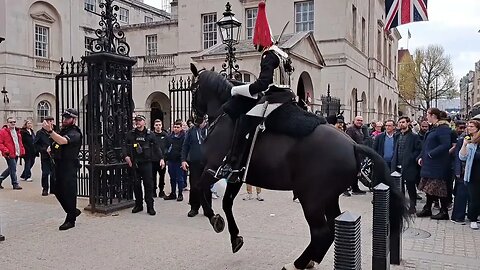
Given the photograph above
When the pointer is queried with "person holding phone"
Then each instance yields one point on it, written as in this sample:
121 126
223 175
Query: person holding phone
470 153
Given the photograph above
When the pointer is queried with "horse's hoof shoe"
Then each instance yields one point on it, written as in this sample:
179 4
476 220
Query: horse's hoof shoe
290 266
310 265
218 223
237 244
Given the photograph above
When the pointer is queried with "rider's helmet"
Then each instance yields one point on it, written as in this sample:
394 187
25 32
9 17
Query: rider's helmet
262 36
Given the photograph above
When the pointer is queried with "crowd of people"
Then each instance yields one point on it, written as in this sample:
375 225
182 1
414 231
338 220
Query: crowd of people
435 155
151 154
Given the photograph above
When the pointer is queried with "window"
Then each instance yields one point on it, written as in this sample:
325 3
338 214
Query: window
363 34
390 56
379 45
123 15
385 44
41 41
304 16
152 45
43 110
251 16
148 19
88 45
90 5
354 25
209 30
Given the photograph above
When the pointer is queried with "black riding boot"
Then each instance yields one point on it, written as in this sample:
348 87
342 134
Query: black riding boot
232 167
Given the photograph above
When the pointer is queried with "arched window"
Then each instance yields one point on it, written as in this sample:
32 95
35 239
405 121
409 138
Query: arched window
43 110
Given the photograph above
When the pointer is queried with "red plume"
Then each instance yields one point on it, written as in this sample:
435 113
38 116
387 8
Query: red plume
262 35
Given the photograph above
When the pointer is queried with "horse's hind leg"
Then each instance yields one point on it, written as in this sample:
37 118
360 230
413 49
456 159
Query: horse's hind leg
332 210
319 234
227 204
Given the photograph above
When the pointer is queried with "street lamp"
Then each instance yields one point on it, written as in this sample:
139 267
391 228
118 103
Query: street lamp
230 29
4 91
356 101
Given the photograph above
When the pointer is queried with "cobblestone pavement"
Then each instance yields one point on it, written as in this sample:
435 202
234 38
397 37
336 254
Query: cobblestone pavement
274 231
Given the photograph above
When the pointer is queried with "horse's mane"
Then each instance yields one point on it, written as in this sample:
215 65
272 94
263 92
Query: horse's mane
217 83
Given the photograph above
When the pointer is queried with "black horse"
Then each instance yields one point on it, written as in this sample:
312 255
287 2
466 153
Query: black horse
317 167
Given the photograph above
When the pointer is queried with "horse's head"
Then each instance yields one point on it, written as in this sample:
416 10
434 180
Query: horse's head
210 90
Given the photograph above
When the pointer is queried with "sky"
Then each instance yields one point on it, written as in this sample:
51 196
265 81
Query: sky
453 24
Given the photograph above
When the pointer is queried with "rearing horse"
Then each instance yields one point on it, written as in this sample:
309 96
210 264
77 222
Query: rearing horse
317 167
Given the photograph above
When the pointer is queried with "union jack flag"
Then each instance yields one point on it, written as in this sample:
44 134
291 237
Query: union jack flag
405 11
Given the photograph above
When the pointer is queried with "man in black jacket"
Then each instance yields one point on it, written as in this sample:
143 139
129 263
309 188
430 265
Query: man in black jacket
355 132
160 139
193 160
139 152
42 142
407 149
174 160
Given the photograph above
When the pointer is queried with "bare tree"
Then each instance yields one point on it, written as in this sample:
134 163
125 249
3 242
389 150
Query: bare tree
427 77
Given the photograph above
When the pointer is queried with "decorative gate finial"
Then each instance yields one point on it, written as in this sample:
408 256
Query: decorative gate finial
110 38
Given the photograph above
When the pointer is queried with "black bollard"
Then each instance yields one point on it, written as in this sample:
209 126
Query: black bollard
381 228
2 237
396 239
348 255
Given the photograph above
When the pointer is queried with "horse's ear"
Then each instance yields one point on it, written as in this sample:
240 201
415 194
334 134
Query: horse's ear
212 69
194 69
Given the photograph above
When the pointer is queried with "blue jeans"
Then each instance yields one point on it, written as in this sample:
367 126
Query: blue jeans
176 176
460 202
10 171
48 171
27 169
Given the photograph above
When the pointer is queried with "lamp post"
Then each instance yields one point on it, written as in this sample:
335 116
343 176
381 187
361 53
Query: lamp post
356 101
229 28
329 100
6 100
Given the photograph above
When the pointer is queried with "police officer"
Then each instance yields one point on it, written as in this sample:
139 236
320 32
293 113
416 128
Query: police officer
141 147
274 68
64 150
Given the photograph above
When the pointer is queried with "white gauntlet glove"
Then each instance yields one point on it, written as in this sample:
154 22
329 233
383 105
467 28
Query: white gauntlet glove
243 90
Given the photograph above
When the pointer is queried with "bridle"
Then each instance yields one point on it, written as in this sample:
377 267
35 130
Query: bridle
194 91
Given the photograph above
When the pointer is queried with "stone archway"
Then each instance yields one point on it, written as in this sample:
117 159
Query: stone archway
379 108
159 105
385 109
305 90
364 103
390 109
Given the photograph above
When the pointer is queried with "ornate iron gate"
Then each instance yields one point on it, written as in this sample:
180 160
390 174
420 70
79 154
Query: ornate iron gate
180 99
71 90
330 105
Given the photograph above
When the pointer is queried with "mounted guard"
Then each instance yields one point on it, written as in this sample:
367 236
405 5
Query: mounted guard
251 103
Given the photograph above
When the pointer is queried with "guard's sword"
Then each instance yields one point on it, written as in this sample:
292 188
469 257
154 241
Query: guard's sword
281 34
260 126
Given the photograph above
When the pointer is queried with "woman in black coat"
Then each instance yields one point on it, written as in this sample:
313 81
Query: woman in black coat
435 162
28 137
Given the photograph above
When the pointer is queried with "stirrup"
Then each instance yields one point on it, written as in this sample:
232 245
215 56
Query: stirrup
224 171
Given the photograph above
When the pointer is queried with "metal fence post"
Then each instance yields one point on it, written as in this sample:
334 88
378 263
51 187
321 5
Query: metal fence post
381 228
348 255
396 239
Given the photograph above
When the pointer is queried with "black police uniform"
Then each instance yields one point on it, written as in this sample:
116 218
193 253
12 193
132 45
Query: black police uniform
66 166
142 147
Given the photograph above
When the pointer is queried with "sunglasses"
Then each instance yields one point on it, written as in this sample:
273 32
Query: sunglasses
12 122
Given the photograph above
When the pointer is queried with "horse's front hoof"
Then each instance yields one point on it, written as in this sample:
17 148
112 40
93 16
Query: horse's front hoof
310 265
237 244
218 223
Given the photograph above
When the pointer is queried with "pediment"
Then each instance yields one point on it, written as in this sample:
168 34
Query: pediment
43 16
307 49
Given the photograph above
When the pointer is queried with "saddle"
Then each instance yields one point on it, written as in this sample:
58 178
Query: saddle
291 120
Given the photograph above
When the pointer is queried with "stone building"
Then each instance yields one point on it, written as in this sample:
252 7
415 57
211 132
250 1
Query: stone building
338 43
37 35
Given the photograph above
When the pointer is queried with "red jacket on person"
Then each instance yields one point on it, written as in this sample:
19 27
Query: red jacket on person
7 146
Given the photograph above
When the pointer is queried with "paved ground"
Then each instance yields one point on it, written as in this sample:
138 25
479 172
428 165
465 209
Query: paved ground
275 233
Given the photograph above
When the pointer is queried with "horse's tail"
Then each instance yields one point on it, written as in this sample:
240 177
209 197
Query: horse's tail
398 209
